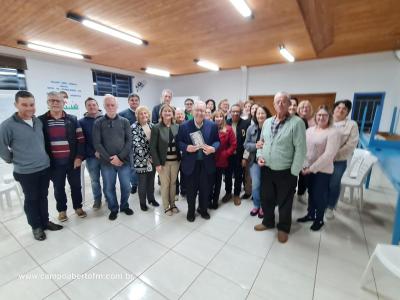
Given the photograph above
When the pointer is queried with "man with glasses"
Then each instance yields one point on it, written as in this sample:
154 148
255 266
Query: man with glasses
188 109
65 145
235 168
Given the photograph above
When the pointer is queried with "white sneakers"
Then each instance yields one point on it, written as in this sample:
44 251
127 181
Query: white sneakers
329 214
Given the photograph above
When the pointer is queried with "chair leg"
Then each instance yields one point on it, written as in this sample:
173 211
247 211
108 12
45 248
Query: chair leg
351 194
342 190
368 269
361 197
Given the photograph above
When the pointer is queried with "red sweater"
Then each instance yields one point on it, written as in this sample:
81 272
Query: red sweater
227 147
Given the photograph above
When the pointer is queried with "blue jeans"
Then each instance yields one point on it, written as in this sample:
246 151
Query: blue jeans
93 166
255 173
134 178
335 183
109 174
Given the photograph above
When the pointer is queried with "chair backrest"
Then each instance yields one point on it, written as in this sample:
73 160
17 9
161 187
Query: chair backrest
360 165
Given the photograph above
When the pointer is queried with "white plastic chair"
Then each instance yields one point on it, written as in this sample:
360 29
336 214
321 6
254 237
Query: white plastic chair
9 178
356 173
388 255
5 193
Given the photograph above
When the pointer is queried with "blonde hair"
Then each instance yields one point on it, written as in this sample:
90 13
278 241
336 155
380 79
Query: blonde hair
165 106
140 109
219 113
304 103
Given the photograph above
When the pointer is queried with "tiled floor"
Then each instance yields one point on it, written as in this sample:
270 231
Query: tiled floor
153 256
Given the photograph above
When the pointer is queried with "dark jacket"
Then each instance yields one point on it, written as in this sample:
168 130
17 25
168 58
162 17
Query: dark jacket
241 130
141 148
87 128
159 142
71 124
128 114
250 143
112 137
211 138
155 114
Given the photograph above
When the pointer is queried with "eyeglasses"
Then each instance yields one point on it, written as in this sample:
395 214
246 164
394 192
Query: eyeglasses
54 100
235 112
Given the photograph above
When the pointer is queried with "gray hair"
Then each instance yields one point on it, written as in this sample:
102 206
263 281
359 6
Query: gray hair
109 96
178 109
53 94
198 103
165 91
284 94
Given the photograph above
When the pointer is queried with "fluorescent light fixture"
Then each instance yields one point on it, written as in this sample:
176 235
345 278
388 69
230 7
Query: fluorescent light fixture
286 54
157 72
207 64
107 30
8 72
21 75
242 7
53 50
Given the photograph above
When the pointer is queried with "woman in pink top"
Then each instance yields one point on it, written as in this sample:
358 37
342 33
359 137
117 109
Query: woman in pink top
323 142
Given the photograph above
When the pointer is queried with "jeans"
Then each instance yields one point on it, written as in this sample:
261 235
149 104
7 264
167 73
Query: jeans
93 166
58 176
255 173
335 183
318 185
109 174
134 178
35 187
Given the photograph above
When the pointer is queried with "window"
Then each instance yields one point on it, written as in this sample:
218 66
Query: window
12 79
111 83
369 101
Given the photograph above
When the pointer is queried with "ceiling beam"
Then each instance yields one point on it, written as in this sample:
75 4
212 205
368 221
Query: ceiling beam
318 17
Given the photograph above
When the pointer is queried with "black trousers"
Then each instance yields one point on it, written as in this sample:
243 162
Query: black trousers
35 187
301 185
277 189
216 188
146 187
318 191
180 183
235 168
200 181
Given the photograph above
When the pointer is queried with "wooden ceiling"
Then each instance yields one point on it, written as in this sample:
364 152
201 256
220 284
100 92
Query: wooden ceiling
179 31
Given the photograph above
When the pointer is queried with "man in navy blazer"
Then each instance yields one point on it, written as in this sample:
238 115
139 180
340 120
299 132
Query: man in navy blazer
198 162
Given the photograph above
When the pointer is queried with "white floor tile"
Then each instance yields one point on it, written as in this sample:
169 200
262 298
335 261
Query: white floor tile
8 244
109 279
236 265
171 275
15 264
212 286
169 234
138 290
219 228
58 295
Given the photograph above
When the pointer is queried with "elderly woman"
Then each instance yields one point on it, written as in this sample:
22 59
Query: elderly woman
179 116
323 143
224 106
225 150
306 112
348 142
141 160
209 114
166 156
251 145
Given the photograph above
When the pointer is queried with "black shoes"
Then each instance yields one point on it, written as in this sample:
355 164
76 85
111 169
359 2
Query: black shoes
133 189
154 203
226 198
113 215
305 219
127 211
143 207
213 206
39 234
317 225
204 215
53 227
246 196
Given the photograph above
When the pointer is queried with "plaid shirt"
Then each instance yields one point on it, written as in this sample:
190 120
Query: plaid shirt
277 125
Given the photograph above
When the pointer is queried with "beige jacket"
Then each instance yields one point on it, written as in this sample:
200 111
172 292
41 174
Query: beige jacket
348 140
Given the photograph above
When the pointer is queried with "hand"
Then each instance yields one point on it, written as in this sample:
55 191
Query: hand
159 169
192 148
305 171
77 163
259 144
261 162
244 163
114 160
97 154
208 149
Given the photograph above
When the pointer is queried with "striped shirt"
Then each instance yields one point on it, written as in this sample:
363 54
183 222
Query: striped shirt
172 154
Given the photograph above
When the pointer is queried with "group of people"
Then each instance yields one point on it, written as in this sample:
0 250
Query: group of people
191 150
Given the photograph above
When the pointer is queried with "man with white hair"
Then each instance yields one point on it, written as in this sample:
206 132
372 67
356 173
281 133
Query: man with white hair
281 160
166 98
198 140
112 139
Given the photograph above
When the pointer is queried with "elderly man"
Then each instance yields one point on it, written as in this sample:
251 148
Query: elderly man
281 160
198 140
166 98
112 139
129 113
189 109
65 145
22 144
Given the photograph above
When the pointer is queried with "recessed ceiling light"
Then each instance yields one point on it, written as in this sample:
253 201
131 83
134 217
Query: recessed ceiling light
158 72
286 54
44 47
107 30
207 64
242 7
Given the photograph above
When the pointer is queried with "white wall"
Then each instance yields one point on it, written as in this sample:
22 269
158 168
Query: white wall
378 72
42 69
